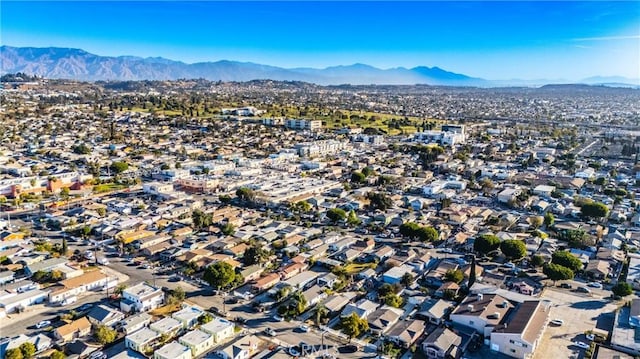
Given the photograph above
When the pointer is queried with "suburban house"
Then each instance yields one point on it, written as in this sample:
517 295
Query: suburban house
443 343
89 281
266 282
173 350
362 308
482 312
135 322
166 326
383 318
141 298
220 329
197 341
520 333
76 329
103 315
188 315
141 340
434 310
243 348
406 332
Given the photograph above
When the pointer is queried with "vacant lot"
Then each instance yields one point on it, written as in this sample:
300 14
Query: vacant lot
580 314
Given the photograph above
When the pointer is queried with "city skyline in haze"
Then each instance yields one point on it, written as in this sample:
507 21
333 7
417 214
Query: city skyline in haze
491 40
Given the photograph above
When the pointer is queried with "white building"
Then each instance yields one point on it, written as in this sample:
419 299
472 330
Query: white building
173 350
303 124
318 148
188 315
220 329
197 341
158 188
141 339
141 298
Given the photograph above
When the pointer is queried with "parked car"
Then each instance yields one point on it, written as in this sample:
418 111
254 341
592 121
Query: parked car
98 355
565 285
278 318
594 285
304 328
557 322
347 349
582 345
583 290
43 324
270 332
294 352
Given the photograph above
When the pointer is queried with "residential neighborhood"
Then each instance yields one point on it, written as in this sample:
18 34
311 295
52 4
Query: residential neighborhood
187 221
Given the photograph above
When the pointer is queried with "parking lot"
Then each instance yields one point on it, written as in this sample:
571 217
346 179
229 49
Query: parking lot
580 313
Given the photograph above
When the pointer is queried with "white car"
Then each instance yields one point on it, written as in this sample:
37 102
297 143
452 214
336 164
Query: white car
582 345
595 285
98 355
557 322
278 318
43 324
270 332
304 328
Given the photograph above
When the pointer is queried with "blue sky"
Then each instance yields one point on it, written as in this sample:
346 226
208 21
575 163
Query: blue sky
492 40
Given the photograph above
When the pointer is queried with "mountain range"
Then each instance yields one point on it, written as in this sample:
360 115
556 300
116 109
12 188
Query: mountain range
77 64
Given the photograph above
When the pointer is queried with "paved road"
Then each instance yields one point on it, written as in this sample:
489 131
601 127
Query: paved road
24 323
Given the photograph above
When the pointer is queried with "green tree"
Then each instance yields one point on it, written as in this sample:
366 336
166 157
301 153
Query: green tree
179 294
622 289
246 194
56 354
407 279
409 229
358 177
379 201
105 335
352 218
566 259
27 349
594 210
486 243
205 318
427 234
120 288
353 325
537 260
255 254
65 247
367 171
13 353
219 275
556 272
228 229
536 221
119 166
513 248
201 219
336 214
549 219
393 300
225 198
455 276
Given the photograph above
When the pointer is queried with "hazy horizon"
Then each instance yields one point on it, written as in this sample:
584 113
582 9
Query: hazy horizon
495 40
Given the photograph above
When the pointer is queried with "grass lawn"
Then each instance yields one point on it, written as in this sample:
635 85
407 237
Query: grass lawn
108 187
353 268
165 310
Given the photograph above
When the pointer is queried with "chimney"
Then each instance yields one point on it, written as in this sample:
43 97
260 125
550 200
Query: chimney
480 296
470 308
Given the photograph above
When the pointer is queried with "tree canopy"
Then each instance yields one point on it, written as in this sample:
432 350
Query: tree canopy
246 194
414 230
358 177
557 272
255 254
219 275
119 166
336 214
566 259
594 210
486 243
379 200
455 276
622 289
105 335
513 248
353 325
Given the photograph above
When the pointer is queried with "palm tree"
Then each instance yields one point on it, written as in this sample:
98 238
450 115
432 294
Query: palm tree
321 312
